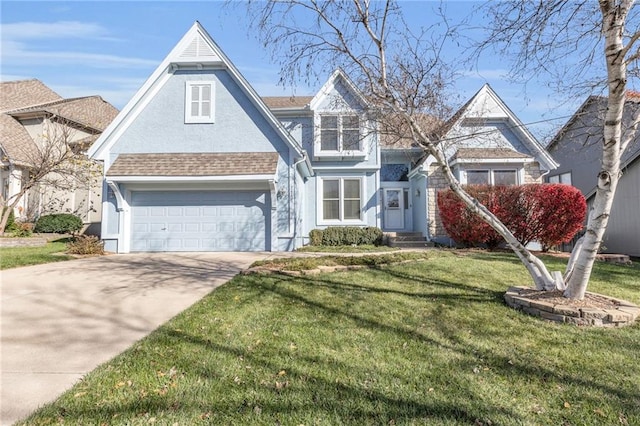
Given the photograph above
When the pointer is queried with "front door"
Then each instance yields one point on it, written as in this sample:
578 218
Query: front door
393 208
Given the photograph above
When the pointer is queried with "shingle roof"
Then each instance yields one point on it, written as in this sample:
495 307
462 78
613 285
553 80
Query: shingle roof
195 164
15 141
395 133
487 154
277 102
24 93
90 111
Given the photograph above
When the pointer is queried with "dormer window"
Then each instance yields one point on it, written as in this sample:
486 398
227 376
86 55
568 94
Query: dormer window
199 102
340 134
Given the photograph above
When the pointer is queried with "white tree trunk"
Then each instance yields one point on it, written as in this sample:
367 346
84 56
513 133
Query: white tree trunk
614 16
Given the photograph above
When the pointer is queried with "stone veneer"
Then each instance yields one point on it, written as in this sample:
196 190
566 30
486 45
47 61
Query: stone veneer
625 312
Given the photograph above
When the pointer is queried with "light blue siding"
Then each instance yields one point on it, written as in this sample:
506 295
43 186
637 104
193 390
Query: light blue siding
239 126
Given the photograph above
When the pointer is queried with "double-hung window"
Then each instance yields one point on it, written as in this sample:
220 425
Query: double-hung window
199 102
492 177
340 133
341 199
561 178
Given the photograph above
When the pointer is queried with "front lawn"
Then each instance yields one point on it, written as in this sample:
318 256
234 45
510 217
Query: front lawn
12 257
429 342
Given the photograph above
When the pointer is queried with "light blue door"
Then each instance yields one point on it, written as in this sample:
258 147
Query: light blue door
199 221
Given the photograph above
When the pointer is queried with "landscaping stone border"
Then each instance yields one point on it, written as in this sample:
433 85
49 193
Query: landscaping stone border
23 242
624 314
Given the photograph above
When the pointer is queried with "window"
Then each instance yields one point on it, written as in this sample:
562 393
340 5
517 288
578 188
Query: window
492 177
199 102
341 199
394 172
561 178
340 133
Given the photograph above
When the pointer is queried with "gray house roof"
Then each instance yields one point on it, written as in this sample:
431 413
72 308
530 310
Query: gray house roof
195 164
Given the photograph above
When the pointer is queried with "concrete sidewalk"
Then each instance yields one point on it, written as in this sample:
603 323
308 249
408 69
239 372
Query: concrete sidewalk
61 320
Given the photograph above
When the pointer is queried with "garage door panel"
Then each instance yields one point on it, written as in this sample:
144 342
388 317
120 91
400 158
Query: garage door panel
199 221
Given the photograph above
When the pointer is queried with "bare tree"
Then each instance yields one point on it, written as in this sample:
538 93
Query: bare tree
405 78
55 164
580 46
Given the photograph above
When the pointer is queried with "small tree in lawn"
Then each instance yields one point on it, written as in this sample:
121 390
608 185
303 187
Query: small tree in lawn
402 74
55 163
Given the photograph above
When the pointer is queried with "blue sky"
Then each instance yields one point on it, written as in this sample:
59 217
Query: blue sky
109 48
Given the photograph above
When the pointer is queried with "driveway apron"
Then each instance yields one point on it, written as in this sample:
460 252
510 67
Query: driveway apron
61 320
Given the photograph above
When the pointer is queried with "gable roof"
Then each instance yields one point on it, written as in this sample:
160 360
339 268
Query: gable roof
25 93
15 141
325 90
587 112
195 164
287 102
196 48
486 92
90 111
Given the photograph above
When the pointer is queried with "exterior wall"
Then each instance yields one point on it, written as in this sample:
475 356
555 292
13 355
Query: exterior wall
436 182
238 126
623 231
312 204
420 203
532 173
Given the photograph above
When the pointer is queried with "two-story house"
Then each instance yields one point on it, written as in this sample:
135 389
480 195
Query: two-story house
197 161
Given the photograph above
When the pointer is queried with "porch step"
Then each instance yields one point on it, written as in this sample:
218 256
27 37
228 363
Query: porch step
407 240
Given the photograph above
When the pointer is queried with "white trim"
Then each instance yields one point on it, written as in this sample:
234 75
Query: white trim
341 168
320 198
204 119
168 179
491 171
328 86
496 161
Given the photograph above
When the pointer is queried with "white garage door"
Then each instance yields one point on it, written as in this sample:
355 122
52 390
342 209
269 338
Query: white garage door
199 221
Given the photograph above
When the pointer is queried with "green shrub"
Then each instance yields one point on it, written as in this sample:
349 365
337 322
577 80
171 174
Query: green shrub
85 244
61 223
315 237
346 236
22 229
11 221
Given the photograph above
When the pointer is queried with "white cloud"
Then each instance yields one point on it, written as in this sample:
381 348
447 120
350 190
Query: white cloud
48 30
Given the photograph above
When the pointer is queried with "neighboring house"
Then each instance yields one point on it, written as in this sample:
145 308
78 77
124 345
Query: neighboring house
197 161
30 113
578 149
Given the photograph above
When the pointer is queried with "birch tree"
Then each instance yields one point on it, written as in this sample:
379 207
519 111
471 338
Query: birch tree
402 73
581 47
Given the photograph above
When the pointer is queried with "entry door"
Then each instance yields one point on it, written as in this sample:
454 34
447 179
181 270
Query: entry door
393 208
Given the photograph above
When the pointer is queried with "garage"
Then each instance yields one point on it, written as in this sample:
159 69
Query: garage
200 221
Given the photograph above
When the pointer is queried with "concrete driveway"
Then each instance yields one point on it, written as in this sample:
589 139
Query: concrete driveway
61 320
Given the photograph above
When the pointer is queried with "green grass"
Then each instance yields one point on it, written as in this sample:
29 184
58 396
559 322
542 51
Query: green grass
429 342
13 257
347 249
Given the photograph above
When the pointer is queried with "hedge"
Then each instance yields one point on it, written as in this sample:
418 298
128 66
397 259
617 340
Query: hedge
547 213
60 223
346 236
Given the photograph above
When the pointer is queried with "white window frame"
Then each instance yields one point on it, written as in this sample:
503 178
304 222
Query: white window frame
320 201
340 151
491 172
564 178
188 117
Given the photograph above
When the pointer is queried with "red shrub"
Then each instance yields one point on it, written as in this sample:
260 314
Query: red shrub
547 213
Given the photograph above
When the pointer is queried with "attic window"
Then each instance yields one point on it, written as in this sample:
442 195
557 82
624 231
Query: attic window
199 102
340 133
